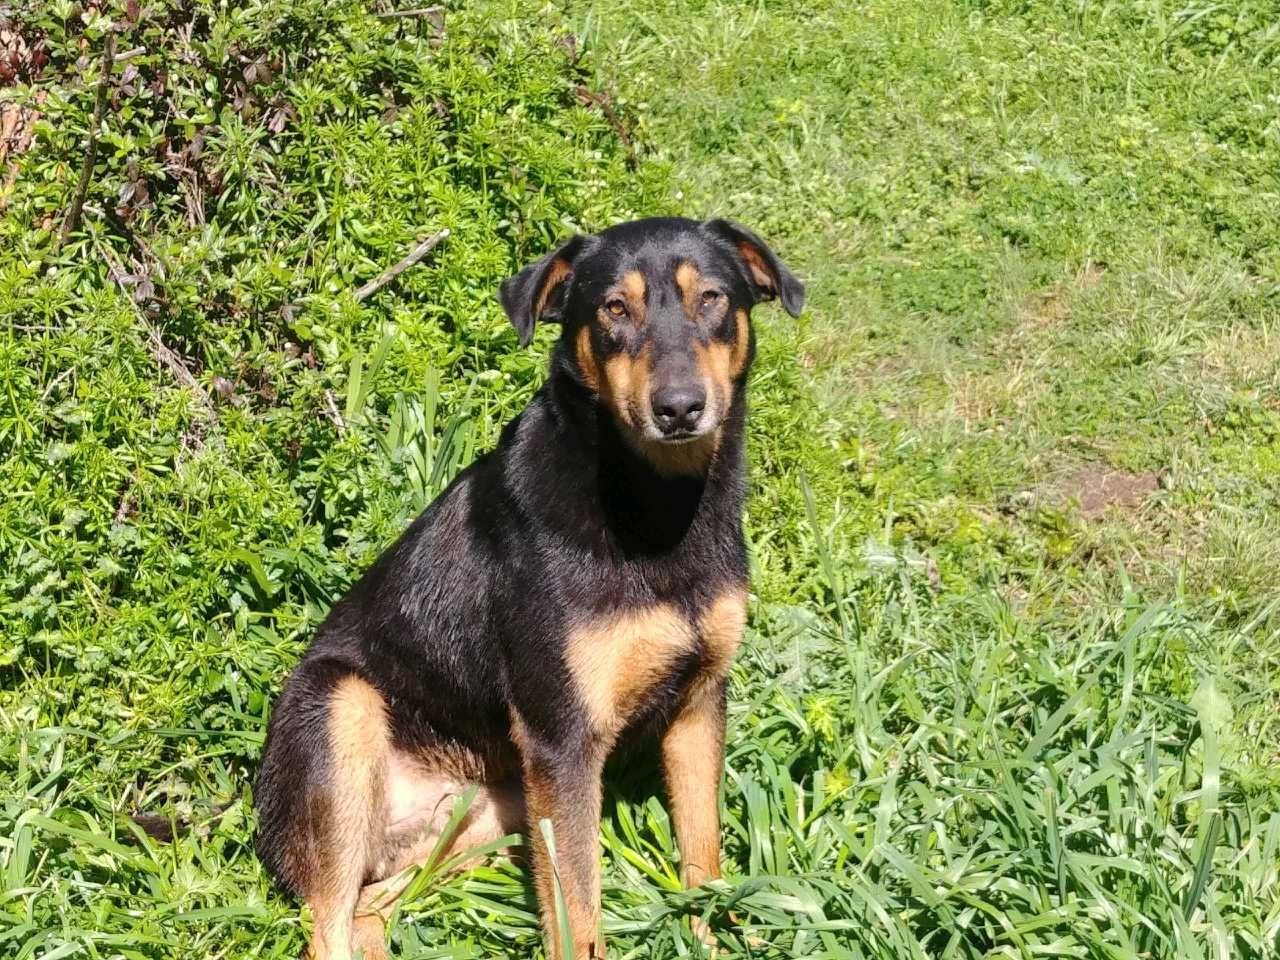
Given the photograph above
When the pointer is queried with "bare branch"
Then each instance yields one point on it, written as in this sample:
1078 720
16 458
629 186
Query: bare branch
331 407
414 255
53 384
588 97
417 12
159 349
72 220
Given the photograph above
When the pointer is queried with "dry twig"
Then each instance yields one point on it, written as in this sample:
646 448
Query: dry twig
53 384
159 349
414 255
589 97
331 407
177 366
416 12
72 221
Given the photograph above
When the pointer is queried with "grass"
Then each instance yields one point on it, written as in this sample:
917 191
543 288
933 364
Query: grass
987 706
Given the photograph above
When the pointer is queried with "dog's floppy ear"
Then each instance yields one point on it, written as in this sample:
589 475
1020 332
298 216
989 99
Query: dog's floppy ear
538 291
768 275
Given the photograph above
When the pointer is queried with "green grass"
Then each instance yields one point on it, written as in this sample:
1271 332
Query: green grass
975 715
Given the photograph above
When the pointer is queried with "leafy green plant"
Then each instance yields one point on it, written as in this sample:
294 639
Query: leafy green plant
967 721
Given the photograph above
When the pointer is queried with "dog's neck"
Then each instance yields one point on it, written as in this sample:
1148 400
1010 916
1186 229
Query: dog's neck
648 503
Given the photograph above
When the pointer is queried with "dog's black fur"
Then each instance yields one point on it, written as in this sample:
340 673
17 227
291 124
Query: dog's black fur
586 510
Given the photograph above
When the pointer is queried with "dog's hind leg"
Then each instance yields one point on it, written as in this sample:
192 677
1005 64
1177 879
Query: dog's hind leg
320 795
344 813
347 819
369 937
496 811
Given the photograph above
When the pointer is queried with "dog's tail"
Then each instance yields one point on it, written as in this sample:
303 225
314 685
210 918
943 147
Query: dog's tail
165 827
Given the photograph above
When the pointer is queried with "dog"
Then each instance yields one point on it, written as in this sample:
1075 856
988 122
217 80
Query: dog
583 584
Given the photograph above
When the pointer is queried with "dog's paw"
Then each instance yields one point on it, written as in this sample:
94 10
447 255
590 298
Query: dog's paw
702 930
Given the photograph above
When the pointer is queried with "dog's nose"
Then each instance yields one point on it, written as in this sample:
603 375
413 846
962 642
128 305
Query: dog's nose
678 408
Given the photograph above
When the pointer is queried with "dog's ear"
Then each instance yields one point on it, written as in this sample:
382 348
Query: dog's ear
768 275
538 291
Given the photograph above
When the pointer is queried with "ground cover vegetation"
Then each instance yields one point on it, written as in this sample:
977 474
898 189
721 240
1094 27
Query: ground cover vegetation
1012 677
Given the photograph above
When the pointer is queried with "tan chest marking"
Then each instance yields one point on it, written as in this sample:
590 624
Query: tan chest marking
616 660
721 626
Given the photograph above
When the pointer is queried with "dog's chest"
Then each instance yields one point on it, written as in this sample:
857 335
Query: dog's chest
620 662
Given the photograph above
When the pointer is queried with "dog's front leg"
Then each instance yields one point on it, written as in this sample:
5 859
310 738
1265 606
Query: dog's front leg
562 786
692 762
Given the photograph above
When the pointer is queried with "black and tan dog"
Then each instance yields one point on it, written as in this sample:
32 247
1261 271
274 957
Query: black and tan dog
583 583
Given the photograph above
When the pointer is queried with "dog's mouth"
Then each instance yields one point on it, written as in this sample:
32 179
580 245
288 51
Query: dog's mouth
684 450
677 437
647 430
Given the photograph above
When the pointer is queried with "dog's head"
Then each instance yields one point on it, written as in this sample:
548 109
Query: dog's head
656 321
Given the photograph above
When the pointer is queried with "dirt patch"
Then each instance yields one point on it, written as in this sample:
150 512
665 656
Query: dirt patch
1241 355
1099 489
1048 308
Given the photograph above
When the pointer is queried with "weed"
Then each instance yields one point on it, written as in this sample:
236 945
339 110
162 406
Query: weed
975 715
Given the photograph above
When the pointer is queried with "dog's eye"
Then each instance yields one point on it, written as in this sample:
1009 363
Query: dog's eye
709 297
616 308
